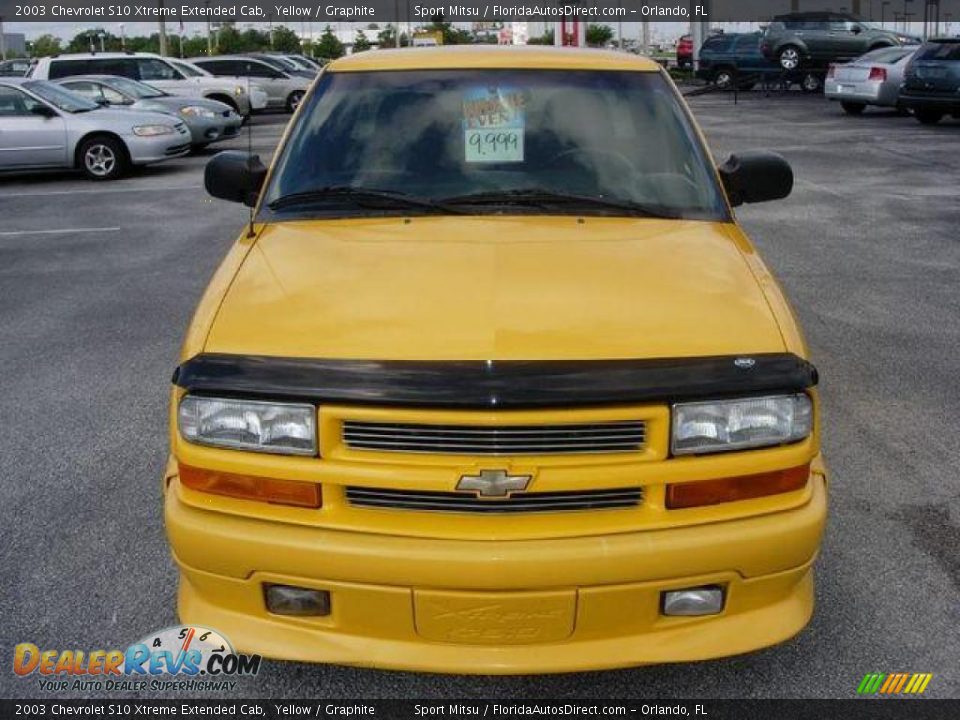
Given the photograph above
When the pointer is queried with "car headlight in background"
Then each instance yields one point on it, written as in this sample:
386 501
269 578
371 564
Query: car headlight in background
708 427
152 130
197 111
284 428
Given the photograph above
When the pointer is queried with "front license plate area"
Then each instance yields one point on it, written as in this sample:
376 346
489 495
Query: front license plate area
495 618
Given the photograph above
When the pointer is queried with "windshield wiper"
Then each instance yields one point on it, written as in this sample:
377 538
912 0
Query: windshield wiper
543 198
363 196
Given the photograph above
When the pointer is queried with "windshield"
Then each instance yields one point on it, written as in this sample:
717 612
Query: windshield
133 88
281 63
64 99
518 137
189 70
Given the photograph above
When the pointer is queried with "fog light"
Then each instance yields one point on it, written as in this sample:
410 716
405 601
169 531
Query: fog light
693 601
290 600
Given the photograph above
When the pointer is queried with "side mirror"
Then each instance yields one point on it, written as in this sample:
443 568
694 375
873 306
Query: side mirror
235 176
753 177
102 102
43 110
856 29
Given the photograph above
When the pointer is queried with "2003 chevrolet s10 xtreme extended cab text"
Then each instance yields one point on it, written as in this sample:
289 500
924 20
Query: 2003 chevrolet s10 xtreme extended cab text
495 383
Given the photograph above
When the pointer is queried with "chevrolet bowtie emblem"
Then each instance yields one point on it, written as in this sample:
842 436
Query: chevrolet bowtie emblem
493 483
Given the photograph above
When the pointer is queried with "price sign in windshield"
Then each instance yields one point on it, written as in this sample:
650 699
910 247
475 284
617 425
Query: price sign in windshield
493 125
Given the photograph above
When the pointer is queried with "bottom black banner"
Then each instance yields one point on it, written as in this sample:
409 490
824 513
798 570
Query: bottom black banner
865 709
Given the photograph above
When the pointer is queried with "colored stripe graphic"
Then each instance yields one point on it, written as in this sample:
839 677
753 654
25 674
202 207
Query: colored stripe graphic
894 683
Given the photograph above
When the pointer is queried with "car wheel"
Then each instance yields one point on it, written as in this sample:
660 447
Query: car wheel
789 58
927 116
852 108
723 78
811 83
103 158
293 102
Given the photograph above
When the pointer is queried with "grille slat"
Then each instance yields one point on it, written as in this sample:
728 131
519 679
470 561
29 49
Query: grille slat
618 436
428 501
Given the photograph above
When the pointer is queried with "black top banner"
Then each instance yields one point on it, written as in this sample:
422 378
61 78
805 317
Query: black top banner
469 11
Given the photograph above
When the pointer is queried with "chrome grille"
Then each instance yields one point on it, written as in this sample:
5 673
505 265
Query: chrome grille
597 437
522 502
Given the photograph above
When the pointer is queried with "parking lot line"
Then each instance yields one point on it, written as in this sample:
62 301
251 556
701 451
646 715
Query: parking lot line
7 233
103 190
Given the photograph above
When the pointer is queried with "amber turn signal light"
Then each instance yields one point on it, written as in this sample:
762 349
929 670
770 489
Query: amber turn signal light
249 487
745 487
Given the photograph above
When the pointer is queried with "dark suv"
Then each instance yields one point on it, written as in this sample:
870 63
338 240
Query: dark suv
931 82
724 57
821 38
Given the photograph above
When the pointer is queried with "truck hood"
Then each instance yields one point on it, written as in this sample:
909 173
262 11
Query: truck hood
520 288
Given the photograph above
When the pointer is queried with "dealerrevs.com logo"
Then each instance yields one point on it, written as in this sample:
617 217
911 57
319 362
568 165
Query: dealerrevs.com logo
183 657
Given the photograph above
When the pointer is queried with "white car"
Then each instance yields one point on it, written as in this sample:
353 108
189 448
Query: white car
258 96
43 125
285 88
147 67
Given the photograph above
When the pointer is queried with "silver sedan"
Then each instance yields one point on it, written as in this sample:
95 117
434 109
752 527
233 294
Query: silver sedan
43 125
871 79
207 120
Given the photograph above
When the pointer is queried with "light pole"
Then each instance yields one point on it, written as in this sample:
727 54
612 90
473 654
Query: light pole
101 36
123 39
883 13
163 30
3 42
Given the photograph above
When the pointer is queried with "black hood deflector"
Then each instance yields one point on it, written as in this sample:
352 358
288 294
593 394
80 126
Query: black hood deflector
512 384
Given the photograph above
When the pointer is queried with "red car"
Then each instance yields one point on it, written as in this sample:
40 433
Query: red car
685 51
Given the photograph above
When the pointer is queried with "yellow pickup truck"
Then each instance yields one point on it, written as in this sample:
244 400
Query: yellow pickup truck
494 382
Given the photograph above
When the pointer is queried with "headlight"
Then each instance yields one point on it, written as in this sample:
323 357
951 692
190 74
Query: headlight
197 111
285 428
238 90
708 427
151 130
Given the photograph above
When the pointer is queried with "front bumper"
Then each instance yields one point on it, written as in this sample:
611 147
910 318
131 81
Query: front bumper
148 150
204 131
498 607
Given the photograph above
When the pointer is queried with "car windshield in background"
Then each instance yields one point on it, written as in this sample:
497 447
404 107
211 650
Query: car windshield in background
939 51
524 141
887 55
66 100
189 70
135 89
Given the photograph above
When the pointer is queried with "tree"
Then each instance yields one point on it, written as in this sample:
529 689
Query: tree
545 39
387 38
361 43
598 35
194 46
285 40
46 45
329 46
229 41
252 39
451 34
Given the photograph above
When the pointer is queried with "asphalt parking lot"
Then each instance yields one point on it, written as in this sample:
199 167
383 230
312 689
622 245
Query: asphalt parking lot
98 282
